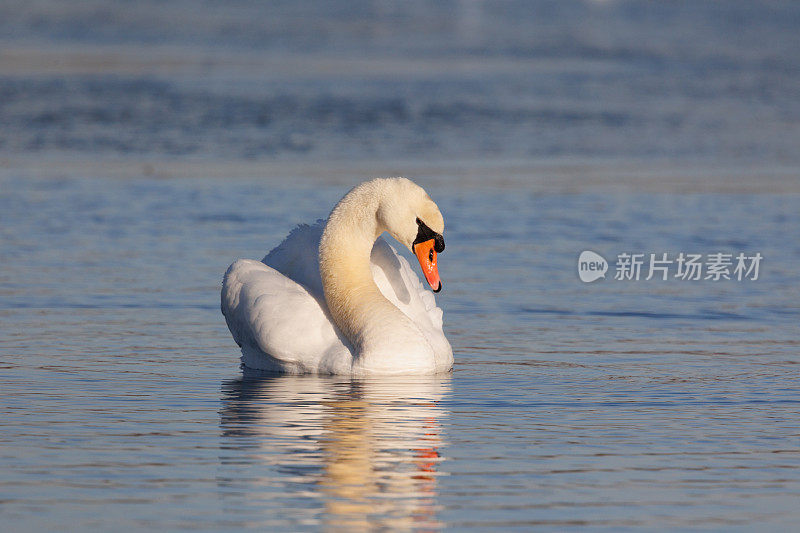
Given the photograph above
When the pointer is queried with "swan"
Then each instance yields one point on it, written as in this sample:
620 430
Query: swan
336 298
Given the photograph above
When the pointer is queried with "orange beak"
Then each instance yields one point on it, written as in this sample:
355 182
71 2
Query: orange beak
427 260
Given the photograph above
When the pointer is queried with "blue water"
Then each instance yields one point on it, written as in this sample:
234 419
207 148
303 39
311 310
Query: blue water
139 157
460 80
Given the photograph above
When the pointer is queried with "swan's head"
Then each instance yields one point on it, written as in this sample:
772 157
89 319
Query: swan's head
410 216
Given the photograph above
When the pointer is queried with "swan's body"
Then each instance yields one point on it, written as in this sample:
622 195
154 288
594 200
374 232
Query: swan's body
332 299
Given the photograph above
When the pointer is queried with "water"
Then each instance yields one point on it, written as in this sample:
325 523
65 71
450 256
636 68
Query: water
435 80
658 404
134 168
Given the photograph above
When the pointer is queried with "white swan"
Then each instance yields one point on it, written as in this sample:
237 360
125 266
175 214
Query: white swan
330 299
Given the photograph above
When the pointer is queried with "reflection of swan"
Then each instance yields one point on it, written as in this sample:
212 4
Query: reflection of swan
335 301
362 454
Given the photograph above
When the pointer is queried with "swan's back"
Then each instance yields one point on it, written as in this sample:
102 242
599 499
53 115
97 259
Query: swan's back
297 257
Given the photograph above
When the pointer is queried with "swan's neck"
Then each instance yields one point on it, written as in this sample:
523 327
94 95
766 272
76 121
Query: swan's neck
356 304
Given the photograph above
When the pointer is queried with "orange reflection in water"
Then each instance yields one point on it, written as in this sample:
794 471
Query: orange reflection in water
376 444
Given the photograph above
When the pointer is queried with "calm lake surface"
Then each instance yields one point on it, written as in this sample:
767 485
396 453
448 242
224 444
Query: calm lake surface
667 404
139 157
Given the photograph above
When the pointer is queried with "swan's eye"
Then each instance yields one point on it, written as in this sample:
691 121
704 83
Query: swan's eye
430 256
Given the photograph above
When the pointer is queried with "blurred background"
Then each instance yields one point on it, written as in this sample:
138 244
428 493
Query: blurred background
144 146
666 87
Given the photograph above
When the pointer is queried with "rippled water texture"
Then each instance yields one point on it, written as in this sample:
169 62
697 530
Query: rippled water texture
665 404
454 79
144 146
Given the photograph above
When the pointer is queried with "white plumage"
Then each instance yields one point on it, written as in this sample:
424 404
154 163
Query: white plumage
278 313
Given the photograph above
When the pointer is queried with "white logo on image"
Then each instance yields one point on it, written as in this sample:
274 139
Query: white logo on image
591 266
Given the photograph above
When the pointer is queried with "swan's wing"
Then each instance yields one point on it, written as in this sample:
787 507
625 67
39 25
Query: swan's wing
297 257
278 324
399 283
270 306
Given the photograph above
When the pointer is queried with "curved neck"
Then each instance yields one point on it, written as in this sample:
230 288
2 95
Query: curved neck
354 300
